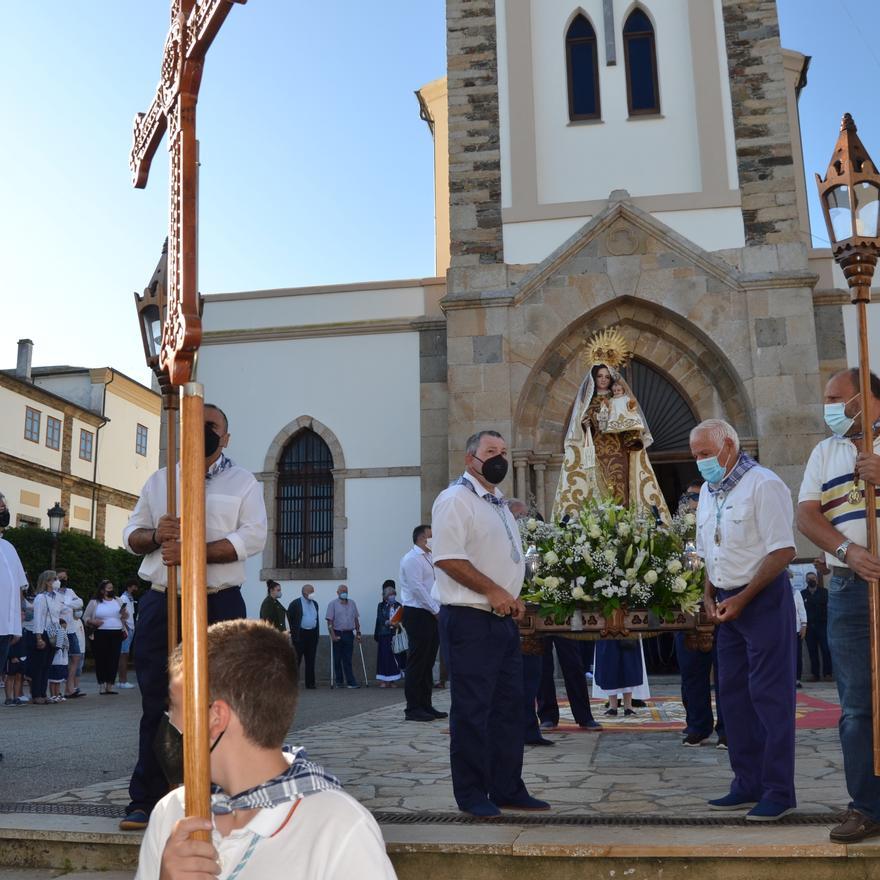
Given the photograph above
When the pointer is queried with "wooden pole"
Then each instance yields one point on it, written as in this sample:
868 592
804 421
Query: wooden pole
862 296
172 411
194 605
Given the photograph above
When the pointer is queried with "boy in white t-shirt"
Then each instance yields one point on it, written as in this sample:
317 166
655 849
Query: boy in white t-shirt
289 817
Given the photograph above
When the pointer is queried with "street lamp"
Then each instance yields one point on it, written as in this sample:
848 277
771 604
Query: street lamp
151 308
850 196
56 521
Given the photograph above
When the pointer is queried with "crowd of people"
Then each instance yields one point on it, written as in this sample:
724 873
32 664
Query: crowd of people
52 630
459 588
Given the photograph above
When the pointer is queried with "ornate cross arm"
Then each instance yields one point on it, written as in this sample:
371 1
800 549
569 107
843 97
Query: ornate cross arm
203 24
149 129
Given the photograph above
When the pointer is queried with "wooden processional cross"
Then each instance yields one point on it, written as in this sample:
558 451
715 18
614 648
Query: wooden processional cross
193 27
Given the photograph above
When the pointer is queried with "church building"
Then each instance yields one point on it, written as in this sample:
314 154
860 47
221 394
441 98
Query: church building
598 164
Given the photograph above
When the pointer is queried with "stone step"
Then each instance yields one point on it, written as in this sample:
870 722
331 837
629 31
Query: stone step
78 846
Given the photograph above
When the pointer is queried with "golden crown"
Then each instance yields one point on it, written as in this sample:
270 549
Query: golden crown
607 347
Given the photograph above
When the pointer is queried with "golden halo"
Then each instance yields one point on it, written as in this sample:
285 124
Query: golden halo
607 347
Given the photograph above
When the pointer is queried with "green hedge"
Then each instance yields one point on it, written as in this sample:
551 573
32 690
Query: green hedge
87 561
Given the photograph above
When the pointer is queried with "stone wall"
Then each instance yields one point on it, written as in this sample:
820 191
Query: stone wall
477 254
763 139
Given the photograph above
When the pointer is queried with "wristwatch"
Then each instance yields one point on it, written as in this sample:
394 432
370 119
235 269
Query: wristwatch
840 552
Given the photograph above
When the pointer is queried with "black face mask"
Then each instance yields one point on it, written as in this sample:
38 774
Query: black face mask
168 748
4 520
494 469
212 441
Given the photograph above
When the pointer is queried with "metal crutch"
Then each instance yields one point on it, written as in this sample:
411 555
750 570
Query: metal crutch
332 673
361 647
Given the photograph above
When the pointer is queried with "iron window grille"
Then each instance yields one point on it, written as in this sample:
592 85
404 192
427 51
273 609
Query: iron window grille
304 500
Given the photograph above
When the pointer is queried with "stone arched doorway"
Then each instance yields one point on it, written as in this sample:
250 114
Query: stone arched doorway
687 377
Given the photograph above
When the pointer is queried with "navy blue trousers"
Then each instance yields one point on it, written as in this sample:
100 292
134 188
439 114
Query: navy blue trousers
573 673
696 688
343 651
756 663
531 665
484 663
148 784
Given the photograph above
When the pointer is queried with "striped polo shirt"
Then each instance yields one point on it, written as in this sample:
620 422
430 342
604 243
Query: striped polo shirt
828 479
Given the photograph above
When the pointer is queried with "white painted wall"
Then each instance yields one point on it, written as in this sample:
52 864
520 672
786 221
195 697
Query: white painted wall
712 229
116 520
381 514
851 332
13 406
300 308
80 467
119 465
12 488
79 513
363 388
579 162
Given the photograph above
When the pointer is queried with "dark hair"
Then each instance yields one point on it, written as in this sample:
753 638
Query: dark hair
225 420
99 593
252 667
698 482
855 378
418 531
270 585
473 442
131 582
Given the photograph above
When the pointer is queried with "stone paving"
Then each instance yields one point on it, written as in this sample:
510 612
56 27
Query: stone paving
393 766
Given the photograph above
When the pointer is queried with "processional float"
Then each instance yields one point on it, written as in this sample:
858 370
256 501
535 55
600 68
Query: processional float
192 30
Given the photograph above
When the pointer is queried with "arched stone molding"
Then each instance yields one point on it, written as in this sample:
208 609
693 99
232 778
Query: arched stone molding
687 357
269 479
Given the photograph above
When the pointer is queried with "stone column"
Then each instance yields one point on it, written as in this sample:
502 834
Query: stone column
520 469
540 493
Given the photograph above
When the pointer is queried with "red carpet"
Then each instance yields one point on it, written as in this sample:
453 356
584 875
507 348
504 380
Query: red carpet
666 713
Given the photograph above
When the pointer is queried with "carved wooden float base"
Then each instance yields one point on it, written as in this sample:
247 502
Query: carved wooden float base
622 624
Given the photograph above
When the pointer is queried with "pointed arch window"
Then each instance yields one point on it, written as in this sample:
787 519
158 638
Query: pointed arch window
304 503
582 61
640 55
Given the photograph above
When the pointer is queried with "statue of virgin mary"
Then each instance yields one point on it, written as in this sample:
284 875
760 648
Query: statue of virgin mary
607 438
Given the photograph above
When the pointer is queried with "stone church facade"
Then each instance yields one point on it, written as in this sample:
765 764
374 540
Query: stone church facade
684 225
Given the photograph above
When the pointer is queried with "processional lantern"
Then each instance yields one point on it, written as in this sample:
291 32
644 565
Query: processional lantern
850 196
151 306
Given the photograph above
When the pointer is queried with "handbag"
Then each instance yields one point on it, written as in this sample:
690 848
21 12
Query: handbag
54 631
400 641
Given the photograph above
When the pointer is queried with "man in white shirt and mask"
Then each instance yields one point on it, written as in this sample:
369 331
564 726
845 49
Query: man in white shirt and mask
235 530
478 556
420 611
744 534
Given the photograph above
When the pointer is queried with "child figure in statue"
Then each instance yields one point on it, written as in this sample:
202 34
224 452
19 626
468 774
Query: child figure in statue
623 413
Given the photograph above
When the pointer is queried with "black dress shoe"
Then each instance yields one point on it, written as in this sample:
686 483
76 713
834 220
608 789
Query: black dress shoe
540 742
437 713
418 715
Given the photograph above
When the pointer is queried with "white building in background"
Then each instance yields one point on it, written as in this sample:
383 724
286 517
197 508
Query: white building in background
597 163
85 438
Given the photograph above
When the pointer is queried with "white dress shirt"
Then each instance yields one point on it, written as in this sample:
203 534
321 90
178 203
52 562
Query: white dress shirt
752 521
234 510
12 580
417 580
70 602
466 526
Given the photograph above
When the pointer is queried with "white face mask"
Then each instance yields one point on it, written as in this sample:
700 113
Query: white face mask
429 543
56 584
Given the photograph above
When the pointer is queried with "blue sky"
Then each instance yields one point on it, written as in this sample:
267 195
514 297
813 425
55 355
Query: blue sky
315 166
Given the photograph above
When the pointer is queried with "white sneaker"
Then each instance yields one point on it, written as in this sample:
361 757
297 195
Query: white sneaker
24 698
125 685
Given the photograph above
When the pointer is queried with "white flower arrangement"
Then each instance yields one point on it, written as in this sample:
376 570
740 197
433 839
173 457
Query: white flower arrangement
610 557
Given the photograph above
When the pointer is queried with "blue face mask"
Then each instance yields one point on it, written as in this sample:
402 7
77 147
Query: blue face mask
343 596
710 469
837 419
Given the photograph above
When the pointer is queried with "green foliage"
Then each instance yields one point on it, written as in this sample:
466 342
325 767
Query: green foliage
87 561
